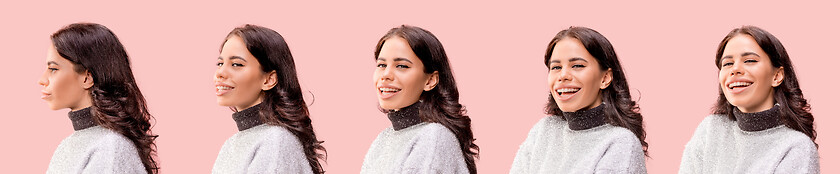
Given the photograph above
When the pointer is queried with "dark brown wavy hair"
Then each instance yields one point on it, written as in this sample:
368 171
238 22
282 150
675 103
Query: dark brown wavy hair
440 105
619 108
117 102
283 104
795 110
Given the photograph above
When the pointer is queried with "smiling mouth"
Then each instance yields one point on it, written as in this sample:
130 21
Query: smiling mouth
734 85
388 92
566 93
221 90
738 87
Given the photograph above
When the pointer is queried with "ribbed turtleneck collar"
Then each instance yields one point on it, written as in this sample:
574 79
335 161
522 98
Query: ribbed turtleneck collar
758 121
405 117
585 119
82 119
248 118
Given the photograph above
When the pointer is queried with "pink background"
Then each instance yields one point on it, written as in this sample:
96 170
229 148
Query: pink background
496 50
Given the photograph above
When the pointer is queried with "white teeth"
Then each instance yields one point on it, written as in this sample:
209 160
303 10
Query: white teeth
389 89
564 90
223 88
739 84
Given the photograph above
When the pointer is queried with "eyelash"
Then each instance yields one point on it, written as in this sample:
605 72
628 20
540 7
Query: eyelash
573 66
233 64
746 61
53 69
381 65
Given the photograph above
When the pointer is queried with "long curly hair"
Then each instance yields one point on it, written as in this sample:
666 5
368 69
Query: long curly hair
117 102
440 105
795 110
619 109
283 104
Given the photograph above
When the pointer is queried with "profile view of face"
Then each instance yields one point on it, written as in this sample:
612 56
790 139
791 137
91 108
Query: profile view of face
575 77
747 75
399 77
239 79
63 87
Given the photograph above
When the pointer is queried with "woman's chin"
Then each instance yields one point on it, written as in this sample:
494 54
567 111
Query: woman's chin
223 103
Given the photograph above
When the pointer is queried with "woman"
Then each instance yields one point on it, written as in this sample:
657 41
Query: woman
761 122
594 126
89 72
430 132
256 78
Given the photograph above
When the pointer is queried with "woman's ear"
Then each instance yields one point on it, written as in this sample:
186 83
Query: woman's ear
87 80
607 79
270 80
779 77
432 82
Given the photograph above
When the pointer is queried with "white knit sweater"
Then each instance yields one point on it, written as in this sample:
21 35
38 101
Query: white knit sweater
720 146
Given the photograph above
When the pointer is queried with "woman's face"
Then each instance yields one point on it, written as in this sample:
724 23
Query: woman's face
747 76
399 78
63 87
574 76
239 77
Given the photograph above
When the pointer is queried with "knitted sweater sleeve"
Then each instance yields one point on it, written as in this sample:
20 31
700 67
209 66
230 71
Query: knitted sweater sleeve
437 151
800 159
692 159
523 157
280 152
624 155
114 154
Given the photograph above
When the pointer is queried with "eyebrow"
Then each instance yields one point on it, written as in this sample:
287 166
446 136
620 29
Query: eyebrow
742 55
749 53
570 60
396 59
234 57
52 63
577 58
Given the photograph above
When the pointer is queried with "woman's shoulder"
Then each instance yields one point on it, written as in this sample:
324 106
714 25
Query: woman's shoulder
620 134
716 122
436 132
113 140
716 119
551 122
436 129
795 138
276 134
714 125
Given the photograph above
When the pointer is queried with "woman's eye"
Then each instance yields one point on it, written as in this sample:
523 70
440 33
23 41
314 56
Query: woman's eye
237 64
219 64
556 68
727 64
578 66
750 60
402 66
381 65
53 69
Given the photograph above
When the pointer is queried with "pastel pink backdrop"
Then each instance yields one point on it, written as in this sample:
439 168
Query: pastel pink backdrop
496 50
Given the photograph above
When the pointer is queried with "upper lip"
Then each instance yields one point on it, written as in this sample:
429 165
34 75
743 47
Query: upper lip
737 80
